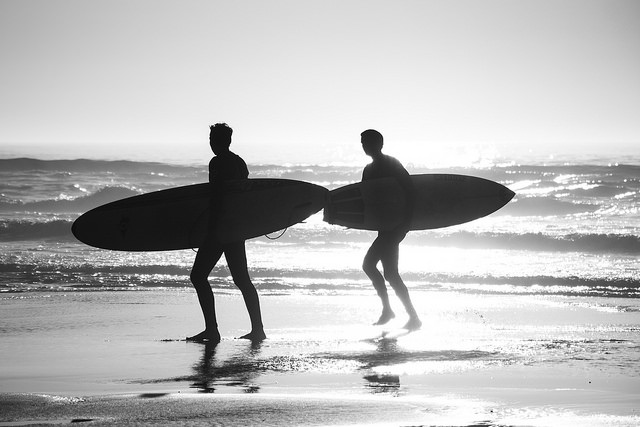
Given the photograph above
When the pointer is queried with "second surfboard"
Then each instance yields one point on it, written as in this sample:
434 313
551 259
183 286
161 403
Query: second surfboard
442 200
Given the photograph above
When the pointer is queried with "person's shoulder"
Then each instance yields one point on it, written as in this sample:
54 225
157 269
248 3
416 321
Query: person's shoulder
226 157
393 161
369 166
234 156
241 165
396 165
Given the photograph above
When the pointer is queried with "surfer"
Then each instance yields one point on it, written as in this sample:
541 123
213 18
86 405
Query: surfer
386 247
224 166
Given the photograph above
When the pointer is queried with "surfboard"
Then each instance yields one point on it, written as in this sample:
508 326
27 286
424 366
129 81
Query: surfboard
441 200
178 218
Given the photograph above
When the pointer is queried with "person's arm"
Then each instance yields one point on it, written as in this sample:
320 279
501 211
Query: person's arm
215 198
244 170
366 173
404 178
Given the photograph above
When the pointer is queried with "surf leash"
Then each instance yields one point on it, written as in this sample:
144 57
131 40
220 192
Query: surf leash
276 238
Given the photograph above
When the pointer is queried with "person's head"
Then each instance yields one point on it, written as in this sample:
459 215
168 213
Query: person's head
220 137
372 141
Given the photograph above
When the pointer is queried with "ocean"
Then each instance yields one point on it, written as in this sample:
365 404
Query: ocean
531 316
572 229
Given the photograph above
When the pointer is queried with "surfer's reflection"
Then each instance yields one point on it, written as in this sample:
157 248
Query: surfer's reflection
240 370
383 382
387 384
386 352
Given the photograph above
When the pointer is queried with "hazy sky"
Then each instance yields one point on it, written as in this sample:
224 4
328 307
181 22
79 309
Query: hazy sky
299 80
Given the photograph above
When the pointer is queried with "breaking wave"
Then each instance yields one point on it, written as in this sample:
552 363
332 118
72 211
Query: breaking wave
79 204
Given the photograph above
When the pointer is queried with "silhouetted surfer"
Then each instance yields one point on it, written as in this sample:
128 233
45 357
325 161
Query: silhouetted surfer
224 166
386 247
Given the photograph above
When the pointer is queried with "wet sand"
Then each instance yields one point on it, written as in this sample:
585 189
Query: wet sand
119 358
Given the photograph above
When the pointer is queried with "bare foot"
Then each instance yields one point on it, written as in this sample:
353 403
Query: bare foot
206 336
413 324
385 317
254 336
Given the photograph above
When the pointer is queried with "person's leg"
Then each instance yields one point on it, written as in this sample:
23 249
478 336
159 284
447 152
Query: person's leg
237 261
369 265
206 259
390 258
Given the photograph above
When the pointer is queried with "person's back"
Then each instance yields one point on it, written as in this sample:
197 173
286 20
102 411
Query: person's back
384 166
227 166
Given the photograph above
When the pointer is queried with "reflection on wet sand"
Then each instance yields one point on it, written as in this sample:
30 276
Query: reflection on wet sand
384 383
383 364
239 371
388 384
240 366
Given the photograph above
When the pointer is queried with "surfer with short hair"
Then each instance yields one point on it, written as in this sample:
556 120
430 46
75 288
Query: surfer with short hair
386 247
224 166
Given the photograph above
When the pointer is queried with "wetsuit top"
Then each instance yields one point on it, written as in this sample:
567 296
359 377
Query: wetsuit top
223 167
227 166
387 166
384 167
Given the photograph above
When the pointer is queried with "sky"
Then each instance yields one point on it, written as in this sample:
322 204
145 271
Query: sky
443 80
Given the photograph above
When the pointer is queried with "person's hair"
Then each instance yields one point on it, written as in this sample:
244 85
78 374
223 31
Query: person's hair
372 138
221 132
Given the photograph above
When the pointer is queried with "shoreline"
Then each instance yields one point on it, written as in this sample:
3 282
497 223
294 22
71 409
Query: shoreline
207 409
511 405
232 410
479 360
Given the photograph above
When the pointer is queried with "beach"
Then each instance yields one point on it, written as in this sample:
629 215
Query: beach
531 315
289 125
120 357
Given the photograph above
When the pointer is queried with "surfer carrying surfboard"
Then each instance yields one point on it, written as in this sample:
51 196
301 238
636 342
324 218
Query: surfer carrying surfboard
386 247
224 166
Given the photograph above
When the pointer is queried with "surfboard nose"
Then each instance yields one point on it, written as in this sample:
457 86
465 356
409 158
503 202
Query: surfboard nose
506 195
